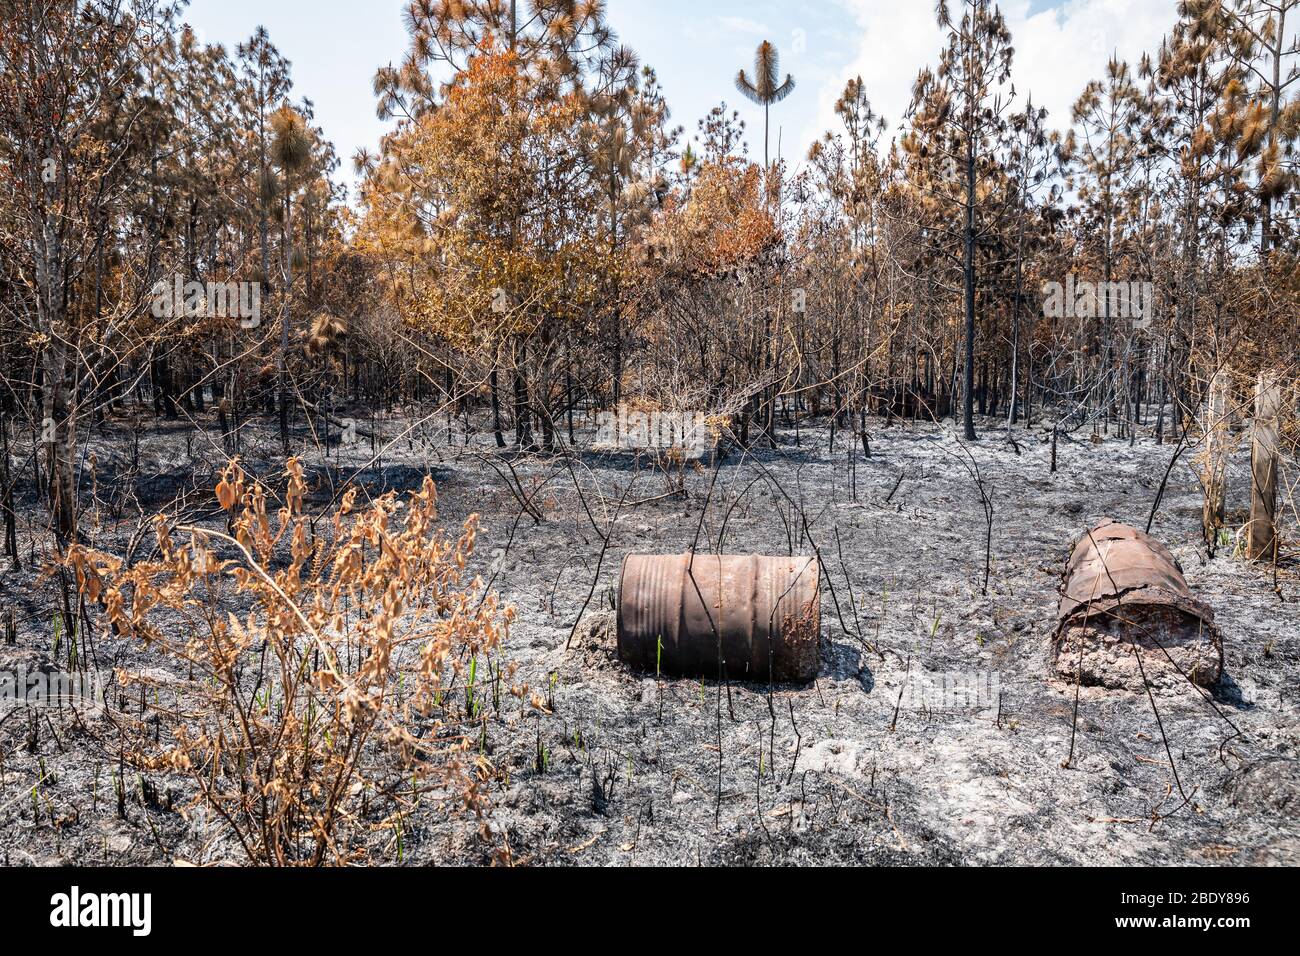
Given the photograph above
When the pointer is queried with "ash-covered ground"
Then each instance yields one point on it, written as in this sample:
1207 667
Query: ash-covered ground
628 769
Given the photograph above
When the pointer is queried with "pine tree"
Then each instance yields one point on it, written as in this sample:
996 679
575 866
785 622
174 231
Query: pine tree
765 88
961 105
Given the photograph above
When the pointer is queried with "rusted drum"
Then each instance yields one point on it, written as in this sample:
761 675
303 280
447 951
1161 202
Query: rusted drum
1124 595
758 617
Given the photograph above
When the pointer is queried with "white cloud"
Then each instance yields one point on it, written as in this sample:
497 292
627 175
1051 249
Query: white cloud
1057 51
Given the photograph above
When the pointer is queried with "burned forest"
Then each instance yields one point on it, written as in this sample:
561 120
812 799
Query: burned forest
561 480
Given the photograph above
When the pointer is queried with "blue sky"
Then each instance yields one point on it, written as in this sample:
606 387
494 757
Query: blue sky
697 46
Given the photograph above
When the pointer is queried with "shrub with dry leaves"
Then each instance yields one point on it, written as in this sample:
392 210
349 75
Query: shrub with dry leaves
339 672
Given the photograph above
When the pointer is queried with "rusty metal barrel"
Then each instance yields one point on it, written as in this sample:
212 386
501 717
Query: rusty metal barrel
1115 564
1123 593
757 616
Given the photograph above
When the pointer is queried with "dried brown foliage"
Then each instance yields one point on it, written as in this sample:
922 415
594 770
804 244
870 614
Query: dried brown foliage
324 658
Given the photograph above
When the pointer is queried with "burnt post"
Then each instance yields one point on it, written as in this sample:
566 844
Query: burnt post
1261 533
1215 465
